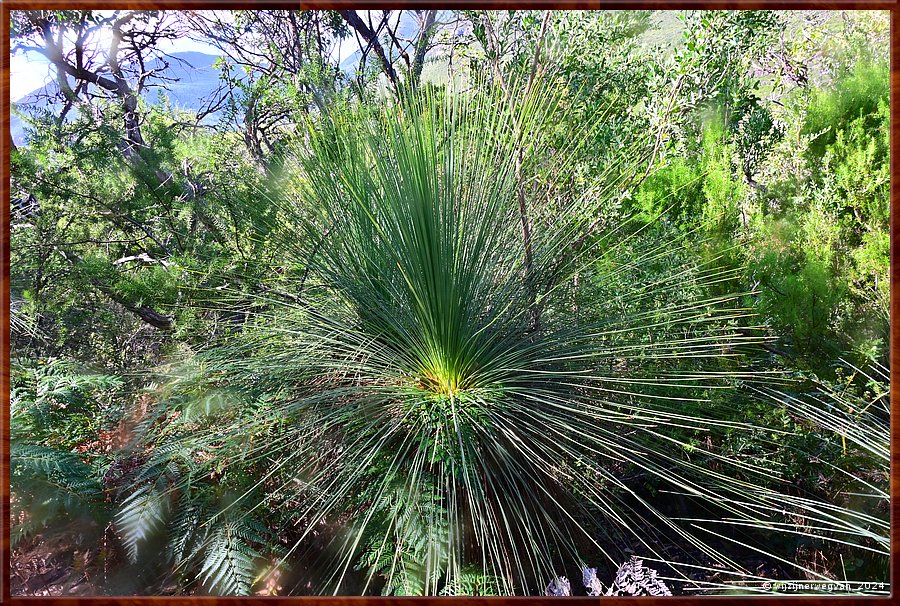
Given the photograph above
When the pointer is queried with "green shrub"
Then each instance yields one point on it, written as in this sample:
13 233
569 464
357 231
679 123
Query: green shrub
857 93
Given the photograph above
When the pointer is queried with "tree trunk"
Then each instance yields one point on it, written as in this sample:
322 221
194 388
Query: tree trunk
422 47
356 22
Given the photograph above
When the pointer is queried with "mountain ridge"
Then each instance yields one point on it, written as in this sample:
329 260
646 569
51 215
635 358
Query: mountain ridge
194 74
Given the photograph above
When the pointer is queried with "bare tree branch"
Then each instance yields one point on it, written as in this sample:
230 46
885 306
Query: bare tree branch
371 38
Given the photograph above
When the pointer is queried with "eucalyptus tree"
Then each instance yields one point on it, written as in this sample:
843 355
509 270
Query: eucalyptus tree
99 55
719 67
127 204
289 62
378 32
276 66
100 61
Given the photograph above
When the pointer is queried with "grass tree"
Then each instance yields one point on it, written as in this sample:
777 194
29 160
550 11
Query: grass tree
394 414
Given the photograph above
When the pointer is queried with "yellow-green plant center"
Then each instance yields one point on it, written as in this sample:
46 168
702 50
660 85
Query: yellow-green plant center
440 382
439 379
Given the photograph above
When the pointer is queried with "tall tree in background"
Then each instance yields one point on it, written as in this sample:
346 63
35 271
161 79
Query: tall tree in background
100 61
135 203
276 65
380 36
89 68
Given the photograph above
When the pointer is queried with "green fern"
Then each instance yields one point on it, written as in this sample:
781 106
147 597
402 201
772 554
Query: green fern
49 485
230 567
472 581
144 513
184 529
191 510
51 402
409 547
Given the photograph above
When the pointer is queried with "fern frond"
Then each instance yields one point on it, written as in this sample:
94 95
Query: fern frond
61 468
49 484
230 564
144 514
472 581
184 531
410 548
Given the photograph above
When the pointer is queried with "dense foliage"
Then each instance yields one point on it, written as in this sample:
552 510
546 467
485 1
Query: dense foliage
517 294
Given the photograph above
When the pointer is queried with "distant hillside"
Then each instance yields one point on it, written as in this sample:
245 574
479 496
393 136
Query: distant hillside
195 76
196 80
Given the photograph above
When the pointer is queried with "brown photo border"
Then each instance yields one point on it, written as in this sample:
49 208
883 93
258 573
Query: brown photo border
891 5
